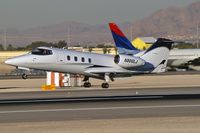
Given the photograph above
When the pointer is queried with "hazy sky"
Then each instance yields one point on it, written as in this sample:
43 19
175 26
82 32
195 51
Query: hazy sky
23 14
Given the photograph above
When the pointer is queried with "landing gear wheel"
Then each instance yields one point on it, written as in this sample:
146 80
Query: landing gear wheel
24 76
87 84
105 85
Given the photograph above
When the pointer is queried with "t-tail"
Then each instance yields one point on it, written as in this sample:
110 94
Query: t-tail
124 46
157 55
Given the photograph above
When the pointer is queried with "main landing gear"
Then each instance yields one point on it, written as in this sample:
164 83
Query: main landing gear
87 84
105 85
107 77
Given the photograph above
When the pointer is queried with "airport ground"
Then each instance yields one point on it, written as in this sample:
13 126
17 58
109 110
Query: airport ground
149 81
173 122
136 125
146 114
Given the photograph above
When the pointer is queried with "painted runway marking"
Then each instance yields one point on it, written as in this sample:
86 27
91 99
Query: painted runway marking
103 108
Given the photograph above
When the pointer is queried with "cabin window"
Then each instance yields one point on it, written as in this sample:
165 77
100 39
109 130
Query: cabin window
75 58
68 58
40 51
83 59
89 60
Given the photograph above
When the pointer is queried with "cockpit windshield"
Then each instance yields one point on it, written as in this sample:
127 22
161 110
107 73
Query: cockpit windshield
41 51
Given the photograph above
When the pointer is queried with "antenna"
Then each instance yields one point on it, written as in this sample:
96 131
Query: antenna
69 35
131 32
5 39
198 35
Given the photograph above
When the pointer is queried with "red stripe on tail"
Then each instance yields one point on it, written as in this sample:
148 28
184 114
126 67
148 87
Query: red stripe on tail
114 28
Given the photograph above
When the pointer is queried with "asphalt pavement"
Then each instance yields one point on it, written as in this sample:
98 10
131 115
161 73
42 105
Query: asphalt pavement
98 110
99 104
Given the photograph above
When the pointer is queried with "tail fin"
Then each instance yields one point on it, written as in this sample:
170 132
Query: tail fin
121 41
157 55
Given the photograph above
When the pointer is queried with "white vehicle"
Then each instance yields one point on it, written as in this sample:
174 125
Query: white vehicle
100 66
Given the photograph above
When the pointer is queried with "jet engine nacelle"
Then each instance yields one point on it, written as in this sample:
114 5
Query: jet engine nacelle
127 61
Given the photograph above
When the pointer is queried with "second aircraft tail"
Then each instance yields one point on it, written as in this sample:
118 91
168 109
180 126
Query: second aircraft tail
124 46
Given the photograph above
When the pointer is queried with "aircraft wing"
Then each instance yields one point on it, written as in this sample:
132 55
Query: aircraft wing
195 62
98 72
101 70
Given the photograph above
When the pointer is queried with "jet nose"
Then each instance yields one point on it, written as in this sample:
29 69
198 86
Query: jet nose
12 62
8 62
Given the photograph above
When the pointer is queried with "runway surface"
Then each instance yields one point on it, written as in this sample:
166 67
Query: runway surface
115 104
98 110
136 82
59 94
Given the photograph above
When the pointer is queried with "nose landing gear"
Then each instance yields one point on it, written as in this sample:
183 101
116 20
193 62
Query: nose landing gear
87 85
24 76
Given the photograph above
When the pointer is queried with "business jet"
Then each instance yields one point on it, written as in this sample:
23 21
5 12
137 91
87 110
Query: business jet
100 66
178 58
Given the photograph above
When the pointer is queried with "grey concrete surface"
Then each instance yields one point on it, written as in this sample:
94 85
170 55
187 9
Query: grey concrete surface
70 93
164 81
128 116
98 110
129 125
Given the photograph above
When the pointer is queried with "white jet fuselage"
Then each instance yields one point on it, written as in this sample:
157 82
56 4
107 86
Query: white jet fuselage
66 61
94 65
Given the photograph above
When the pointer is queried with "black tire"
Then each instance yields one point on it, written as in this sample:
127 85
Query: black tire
105 85
87 84
24 76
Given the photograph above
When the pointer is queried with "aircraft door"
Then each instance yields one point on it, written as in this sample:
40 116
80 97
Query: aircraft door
61 57
34 59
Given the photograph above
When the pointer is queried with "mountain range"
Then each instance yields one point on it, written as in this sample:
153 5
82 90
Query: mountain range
173 22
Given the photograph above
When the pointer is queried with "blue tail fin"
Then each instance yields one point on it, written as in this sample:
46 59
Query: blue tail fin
122 43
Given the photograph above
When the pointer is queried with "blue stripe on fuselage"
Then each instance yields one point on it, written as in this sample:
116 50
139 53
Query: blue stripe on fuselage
147 67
